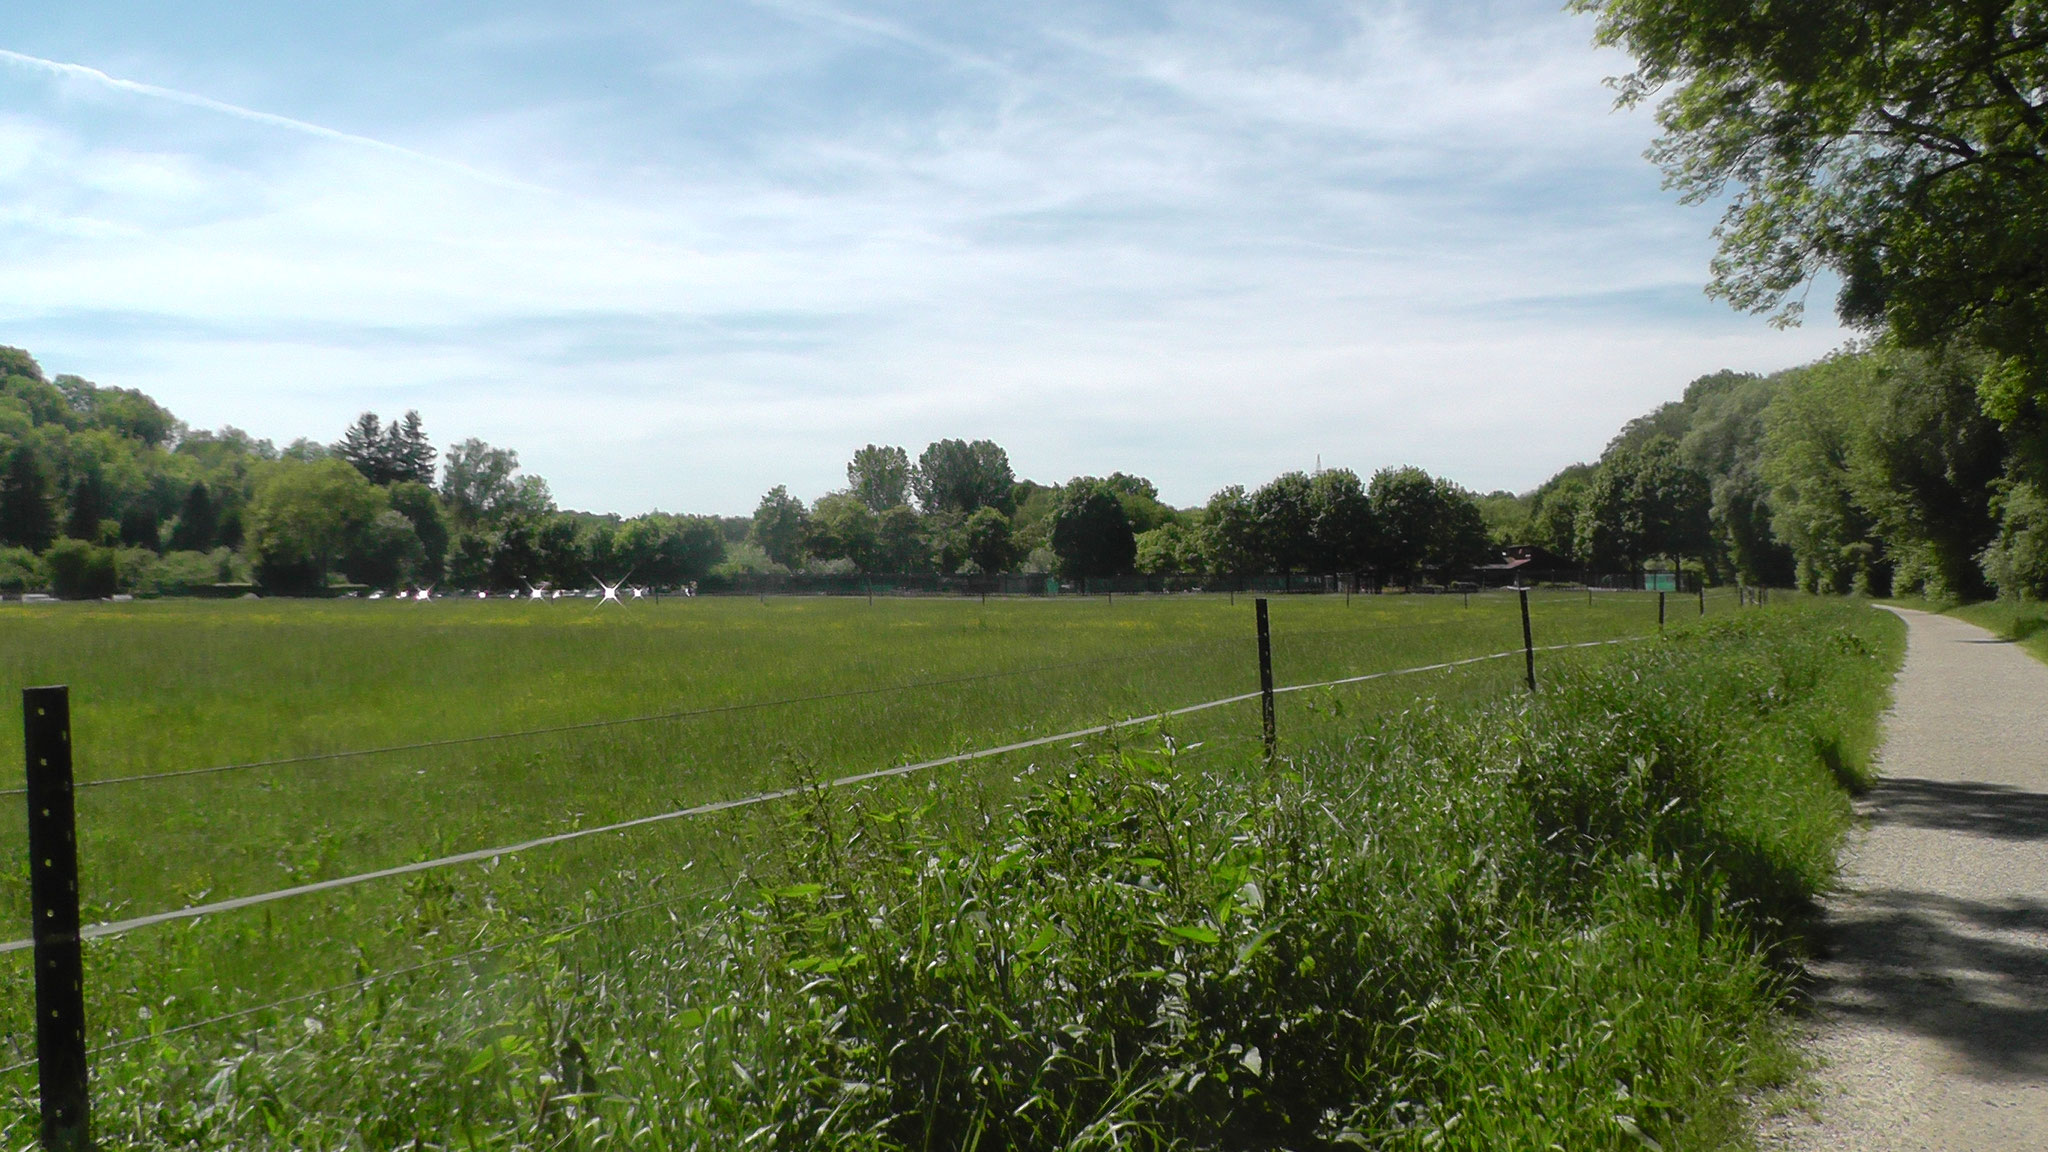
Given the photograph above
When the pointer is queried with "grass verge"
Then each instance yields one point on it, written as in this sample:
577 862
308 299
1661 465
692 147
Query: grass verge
2025 621
1552 921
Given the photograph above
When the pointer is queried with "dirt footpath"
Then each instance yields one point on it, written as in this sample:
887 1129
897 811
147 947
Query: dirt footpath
1932 1000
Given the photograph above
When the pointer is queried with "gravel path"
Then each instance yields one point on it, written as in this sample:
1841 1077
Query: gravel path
1932 994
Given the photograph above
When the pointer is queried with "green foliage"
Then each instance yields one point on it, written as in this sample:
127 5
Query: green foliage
482 486
958 476
843 527
1169 549
1898 146
399 454
669 551
28 516
1090 531
879 477
1881 472
386 554
417 502
780 527
2016 560
20 571
1554 513
900 544
1643 502
1518 923
1281 508
1230 531
305 518
1506 516
82 571
1424 523
989 544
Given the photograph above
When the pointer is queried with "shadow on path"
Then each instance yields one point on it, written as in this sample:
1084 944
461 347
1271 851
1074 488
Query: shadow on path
1998 811
1969 974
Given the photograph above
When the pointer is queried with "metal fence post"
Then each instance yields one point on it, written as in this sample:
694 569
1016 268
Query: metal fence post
1660 611
1528 639
53 901
1703 597
1266 678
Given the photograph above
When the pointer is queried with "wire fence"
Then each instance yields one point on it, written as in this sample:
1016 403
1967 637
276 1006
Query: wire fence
195 911
687 714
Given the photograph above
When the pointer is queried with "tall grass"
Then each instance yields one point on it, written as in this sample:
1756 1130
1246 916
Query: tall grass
1487 921
173 686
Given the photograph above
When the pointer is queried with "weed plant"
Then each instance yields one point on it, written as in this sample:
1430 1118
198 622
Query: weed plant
1504 921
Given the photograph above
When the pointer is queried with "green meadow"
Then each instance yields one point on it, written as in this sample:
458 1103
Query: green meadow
508 720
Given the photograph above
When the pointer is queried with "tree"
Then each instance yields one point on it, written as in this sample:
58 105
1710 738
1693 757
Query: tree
386 553
28 515
89 506
1341 527
1230 532
879 477
1091 534
1423 523
304 518
843 527
416 502
1902 146
670 551
2016 561
362 445
1554 516
1405 505
988 541
956 476
1169 549
408 455
780 527
1644 501
1284 510
482 485
900 541
198 520
1459 539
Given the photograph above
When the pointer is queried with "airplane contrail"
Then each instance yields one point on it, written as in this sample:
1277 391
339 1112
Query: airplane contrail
271 119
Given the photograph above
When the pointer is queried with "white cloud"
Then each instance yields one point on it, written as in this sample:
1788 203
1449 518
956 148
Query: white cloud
1206 244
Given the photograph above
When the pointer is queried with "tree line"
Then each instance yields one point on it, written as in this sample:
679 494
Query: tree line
104 490
958 508
1875 470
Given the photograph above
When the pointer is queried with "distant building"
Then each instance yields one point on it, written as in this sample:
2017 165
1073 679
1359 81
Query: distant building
1526 564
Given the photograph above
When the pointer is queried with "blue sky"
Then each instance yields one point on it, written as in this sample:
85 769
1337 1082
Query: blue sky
677 253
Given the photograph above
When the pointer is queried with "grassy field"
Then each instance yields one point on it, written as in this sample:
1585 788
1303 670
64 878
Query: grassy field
176 686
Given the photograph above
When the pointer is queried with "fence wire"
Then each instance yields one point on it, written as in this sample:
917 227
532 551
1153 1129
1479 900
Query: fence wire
391 974
722 709
120 927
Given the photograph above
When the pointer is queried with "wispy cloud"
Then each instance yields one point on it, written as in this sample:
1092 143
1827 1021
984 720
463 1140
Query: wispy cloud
96 77
1203 240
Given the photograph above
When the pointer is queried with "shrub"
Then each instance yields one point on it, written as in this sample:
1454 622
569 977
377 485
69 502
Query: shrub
20 571
82 571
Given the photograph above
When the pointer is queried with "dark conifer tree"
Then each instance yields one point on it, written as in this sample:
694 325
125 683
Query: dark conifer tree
28 518
364 446
407 452
198 521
